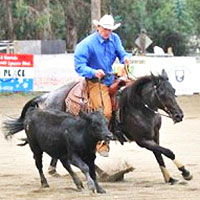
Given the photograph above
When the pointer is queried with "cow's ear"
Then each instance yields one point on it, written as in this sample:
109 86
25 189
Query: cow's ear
81 113
84 115
100 110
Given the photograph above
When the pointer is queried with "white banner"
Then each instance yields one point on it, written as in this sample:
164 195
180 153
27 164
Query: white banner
182 71
53 71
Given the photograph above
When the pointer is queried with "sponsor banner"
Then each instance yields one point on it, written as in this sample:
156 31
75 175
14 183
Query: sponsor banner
182 71
53 71
16 72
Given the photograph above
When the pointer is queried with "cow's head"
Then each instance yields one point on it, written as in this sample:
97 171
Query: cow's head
98 125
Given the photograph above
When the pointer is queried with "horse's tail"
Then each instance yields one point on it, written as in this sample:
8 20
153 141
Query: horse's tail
15 125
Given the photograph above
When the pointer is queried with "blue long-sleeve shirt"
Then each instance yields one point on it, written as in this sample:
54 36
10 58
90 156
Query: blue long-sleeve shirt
94 53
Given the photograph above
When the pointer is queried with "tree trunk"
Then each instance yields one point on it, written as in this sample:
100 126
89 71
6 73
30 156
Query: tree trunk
9 19
71 37
70 10
95 12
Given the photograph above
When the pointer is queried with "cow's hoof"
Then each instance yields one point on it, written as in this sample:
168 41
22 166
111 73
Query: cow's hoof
101 190
52 171
45 185
80 187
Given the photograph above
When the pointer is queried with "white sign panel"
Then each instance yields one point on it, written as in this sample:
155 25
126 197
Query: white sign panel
182 71
53 71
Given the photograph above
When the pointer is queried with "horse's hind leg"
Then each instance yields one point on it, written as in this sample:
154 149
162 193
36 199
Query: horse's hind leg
74 176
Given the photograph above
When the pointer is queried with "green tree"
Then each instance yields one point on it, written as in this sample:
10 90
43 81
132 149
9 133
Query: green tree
168 23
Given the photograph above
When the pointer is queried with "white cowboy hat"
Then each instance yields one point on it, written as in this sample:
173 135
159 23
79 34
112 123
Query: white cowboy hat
107 22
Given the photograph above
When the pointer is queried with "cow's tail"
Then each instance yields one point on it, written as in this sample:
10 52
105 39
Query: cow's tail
15 125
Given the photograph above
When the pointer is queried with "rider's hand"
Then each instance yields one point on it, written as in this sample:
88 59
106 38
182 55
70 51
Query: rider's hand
99 73
127 61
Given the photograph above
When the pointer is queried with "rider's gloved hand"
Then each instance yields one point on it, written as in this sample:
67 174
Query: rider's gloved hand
99 73
127 61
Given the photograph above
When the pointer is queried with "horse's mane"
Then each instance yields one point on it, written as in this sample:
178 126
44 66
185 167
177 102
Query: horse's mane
132 92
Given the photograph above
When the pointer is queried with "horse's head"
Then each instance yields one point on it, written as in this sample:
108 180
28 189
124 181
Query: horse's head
165 95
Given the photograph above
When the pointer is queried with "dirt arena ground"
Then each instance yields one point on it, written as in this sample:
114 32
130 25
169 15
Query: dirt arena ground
19 178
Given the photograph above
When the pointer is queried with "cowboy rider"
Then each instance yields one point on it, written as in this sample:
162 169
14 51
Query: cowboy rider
94 57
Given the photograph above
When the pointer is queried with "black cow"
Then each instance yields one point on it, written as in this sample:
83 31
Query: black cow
70 139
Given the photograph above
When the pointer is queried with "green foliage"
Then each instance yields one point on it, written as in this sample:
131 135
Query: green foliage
168 23
58 21
24 21
193 9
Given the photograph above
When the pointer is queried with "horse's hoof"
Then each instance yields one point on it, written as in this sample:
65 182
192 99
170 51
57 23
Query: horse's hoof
172 181
187 176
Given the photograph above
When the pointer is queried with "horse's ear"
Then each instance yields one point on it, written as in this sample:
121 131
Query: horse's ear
154 79
164 74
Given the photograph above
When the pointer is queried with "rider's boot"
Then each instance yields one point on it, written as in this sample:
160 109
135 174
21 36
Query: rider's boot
103 148
116 127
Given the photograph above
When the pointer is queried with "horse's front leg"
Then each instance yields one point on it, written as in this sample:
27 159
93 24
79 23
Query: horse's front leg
185 173
165 172
159 158
153 146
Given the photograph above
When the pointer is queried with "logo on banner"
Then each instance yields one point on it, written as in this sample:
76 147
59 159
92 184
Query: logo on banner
180 75
16 72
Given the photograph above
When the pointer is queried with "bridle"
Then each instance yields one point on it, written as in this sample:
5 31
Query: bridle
159 100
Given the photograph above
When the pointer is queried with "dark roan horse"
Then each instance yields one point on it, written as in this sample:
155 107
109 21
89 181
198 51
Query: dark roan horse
140 120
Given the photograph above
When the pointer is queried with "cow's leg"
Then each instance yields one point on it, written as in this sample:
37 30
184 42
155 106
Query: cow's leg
52 167
38 162
92 172
76 161
74 176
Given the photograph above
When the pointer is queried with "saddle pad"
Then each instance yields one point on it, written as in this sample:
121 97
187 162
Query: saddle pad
77 99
